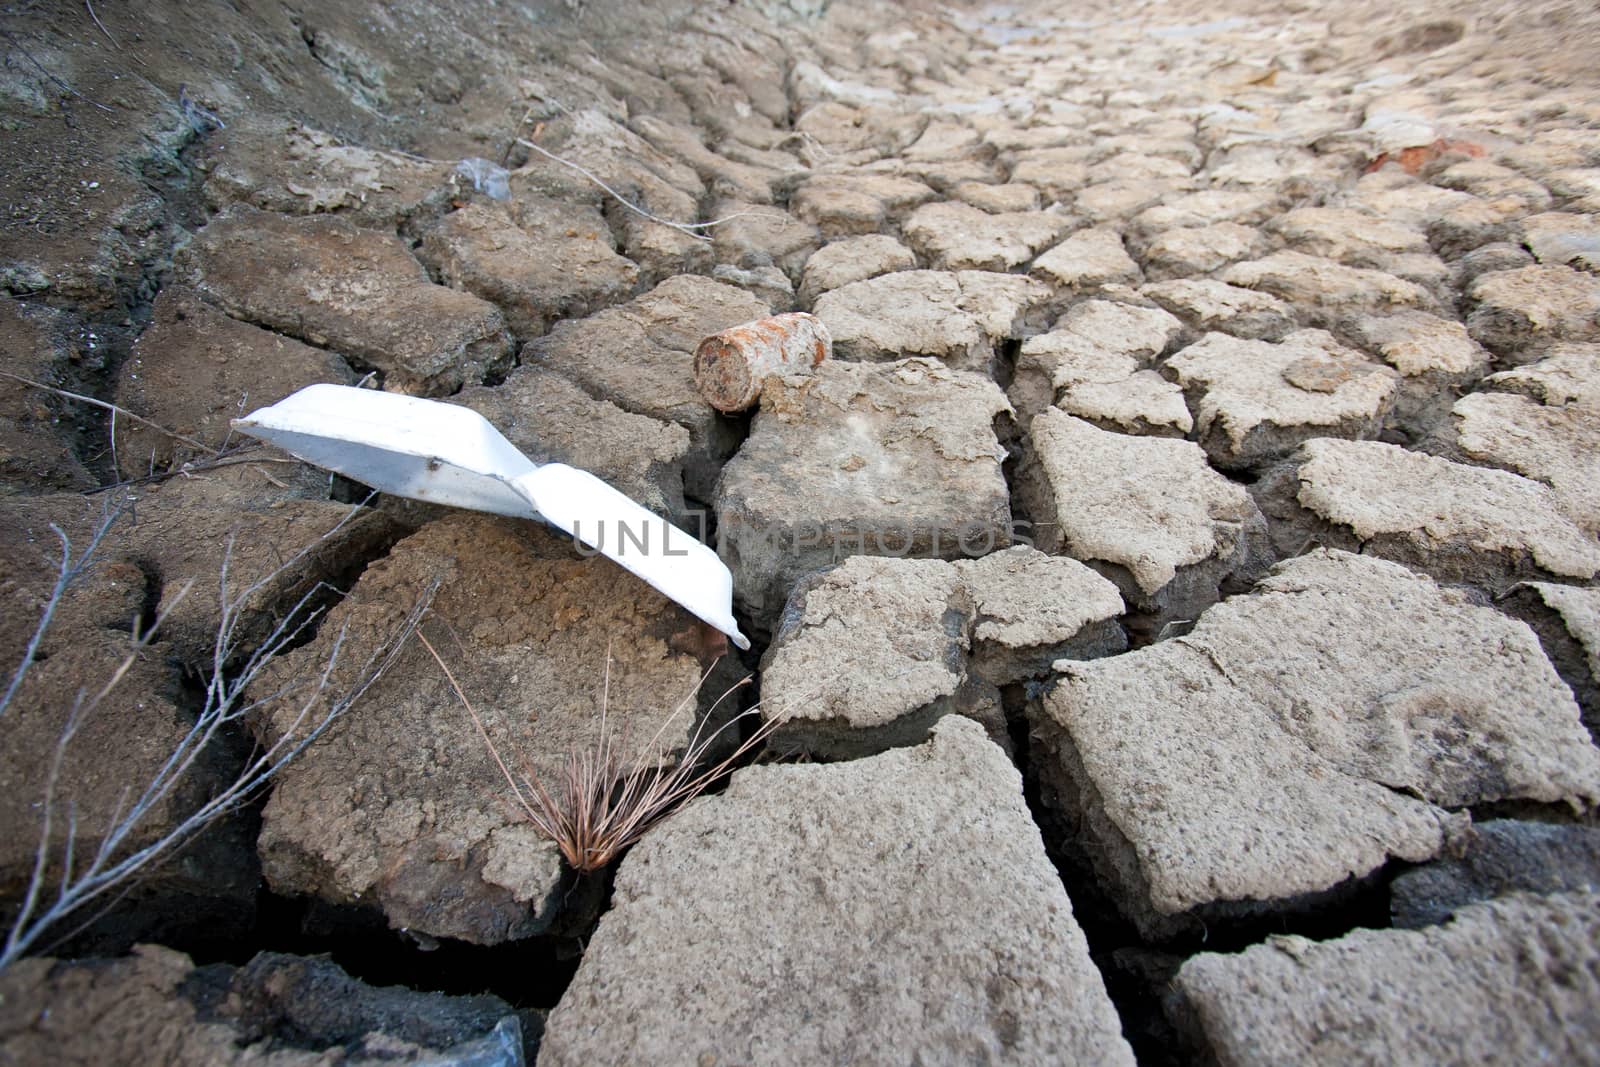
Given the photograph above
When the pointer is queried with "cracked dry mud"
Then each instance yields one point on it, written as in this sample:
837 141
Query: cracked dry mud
1179 591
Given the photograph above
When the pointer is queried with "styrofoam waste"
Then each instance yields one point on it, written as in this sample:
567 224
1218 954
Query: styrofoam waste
446 454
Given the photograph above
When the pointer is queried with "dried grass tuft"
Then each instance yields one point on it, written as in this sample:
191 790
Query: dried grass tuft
601 802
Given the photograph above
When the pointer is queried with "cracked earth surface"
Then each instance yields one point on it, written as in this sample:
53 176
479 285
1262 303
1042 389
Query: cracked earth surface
1178 588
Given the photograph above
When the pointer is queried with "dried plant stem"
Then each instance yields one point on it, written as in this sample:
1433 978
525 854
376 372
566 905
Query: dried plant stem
43 70
90 5
689 228
113 408
476 721
234 456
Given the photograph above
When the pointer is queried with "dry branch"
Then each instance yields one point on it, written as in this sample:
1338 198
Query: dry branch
226 704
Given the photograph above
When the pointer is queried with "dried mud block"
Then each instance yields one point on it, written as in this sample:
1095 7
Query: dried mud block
1323 290
1436 359
72 242
1056 171
538 262
1033 609
757 236
767 284
871 653
1256 401
267 528
1519 314
1289 173
293 169
1111 203
916 916
848 205
956 236
1147 512
123 738
1380 995
1188 251
1206 305
156 1006
1559 446
278 542
400 805
662 185
1491 181
359 292
1495 256
1455 522
1096 341
998 199
853 259
1567 374
1355 238
861 459
1142 403
1207 207
123 743
1300 736
1086 260
723 176
1562 238
194 369
959 317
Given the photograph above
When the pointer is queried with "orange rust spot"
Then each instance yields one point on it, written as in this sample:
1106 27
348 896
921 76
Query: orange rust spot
1412 160
732 366
720 370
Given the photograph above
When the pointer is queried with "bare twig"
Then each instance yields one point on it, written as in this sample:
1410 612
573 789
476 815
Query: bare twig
476 721
113 408
279 482
61 84
112 867
233 457
67 572
682 227
89 4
